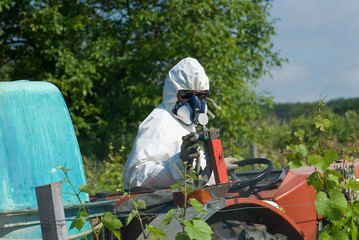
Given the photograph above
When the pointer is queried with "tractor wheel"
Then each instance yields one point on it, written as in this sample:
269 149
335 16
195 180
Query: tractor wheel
233 229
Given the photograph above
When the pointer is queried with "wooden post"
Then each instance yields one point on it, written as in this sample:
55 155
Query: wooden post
51 212
254 152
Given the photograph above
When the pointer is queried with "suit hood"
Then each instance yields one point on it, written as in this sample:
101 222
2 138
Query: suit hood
188 74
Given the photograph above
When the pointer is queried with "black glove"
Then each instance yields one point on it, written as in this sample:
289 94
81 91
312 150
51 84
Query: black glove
189 148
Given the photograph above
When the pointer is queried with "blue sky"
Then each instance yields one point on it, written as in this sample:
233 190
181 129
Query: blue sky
320 38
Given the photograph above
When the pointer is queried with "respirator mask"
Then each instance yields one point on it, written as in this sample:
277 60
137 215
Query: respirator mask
194 111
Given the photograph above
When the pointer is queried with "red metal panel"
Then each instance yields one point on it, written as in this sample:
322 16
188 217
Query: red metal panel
297 200
310 229
217 161
200 195
273 209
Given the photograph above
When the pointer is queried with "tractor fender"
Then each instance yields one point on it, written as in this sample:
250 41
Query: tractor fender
254 211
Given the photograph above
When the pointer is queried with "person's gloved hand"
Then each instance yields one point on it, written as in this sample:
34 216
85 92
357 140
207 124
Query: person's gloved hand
231 163
189 148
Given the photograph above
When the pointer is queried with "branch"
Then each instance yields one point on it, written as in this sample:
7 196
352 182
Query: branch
128 7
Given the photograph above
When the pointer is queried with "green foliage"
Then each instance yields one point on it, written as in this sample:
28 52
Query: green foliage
341 112
292 110
342 106
297 150
110 58
332 200
288 136
106 175
287 111
4 4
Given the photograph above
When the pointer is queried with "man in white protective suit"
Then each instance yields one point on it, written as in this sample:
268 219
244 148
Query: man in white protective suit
166 138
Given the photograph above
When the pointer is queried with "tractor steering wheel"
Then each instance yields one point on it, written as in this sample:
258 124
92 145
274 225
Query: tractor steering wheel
236 183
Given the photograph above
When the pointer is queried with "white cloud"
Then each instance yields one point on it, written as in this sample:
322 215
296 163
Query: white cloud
285 81
290 74
314 15
351 78
320 39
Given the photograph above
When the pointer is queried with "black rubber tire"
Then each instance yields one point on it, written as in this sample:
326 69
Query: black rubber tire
233 229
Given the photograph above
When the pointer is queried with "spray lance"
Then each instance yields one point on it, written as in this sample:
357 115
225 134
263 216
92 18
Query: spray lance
211 154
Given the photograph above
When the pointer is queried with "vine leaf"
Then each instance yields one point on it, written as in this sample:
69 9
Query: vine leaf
331 208
329 157
333 178
338 200
85 188
323 162
131 216
141 204
113 223
80 220
316 180
323 125
181 236
314 159
354 233
334 174
176 186
321 203
155 232
338 233
301 149
299 134
170 214
197 205
324 234
351 184
197 229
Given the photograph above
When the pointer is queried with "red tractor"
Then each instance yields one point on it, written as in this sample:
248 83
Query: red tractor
274 203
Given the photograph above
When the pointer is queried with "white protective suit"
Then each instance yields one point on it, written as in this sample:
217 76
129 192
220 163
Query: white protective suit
154 162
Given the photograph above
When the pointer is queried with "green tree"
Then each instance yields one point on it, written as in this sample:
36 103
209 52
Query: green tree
110 58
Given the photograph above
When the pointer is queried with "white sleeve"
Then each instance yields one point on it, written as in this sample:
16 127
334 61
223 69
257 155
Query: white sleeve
154 162
156 175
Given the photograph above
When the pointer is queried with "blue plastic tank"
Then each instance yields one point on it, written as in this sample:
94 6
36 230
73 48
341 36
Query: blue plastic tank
36 136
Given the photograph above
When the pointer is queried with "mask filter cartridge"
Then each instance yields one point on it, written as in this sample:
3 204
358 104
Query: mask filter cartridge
193 111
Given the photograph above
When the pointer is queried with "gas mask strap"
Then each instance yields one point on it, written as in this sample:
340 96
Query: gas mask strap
210 113
214 103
